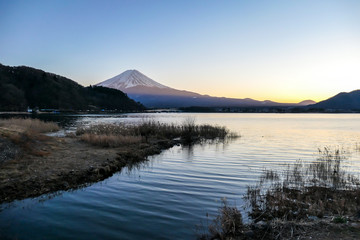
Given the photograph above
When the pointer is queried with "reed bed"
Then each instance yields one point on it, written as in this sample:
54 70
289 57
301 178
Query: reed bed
323 187
110 140
26 133
147 131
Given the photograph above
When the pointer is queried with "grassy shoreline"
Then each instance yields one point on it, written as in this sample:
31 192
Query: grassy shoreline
45 164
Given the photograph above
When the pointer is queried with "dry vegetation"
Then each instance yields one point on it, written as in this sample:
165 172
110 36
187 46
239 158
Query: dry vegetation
357 147
317 189
26 134
228 224
305 201
29 125
111 140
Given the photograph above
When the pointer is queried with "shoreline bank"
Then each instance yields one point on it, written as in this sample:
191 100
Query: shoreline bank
69 164
44 164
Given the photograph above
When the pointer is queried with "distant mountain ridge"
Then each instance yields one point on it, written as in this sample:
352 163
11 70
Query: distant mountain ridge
341 101
23 87
153 94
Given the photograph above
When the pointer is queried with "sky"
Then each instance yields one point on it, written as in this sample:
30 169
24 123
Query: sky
285 51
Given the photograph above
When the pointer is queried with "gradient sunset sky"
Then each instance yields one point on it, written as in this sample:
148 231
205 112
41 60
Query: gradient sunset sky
286 51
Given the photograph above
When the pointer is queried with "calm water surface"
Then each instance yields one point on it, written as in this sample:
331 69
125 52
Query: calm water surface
167 196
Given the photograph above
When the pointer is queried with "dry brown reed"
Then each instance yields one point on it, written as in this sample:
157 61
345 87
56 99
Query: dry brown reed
28 124
357 147
109 140
227 225
27 134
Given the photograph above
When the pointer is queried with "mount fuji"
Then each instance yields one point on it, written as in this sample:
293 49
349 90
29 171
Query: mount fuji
155 95
130 79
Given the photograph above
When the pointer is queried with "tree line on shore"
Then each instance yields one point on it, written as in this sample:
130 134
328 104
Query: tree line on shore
23 87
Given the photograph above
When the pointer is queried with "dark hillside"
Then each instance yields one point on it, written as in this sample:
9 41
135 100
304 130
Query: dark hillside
341 101
21 87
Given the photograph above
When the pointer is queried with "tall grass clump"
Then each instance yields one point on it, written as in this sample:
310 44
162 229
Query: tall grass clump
153 129
321 188
191 132
110 140
227 225
150 131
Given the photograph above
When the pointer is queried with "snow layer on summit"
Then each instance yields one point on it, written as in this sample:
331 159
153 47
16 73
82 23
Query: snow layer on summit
128 79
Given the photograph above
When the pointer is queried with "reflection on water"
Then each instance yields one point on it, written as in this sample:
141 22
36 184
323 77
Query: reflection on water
165 197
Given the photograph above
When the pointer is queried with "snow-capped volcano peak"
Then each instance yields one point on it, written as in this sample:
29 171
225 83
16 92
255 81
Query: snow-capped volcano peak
129 79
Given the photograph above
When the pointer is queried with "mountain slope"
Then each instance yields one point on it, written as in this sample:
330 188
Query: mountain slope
24 86
153 94
306 103
341 101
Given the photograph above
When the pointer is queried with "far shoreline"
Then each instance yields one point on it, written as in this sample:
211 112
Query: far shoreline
274 111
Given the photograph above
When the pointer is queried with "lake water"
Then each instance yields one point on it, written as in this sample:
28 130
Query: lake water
168 195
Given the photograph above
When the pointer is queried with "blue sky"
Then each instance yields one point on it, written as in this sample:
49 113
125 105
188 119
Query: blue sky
280 50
